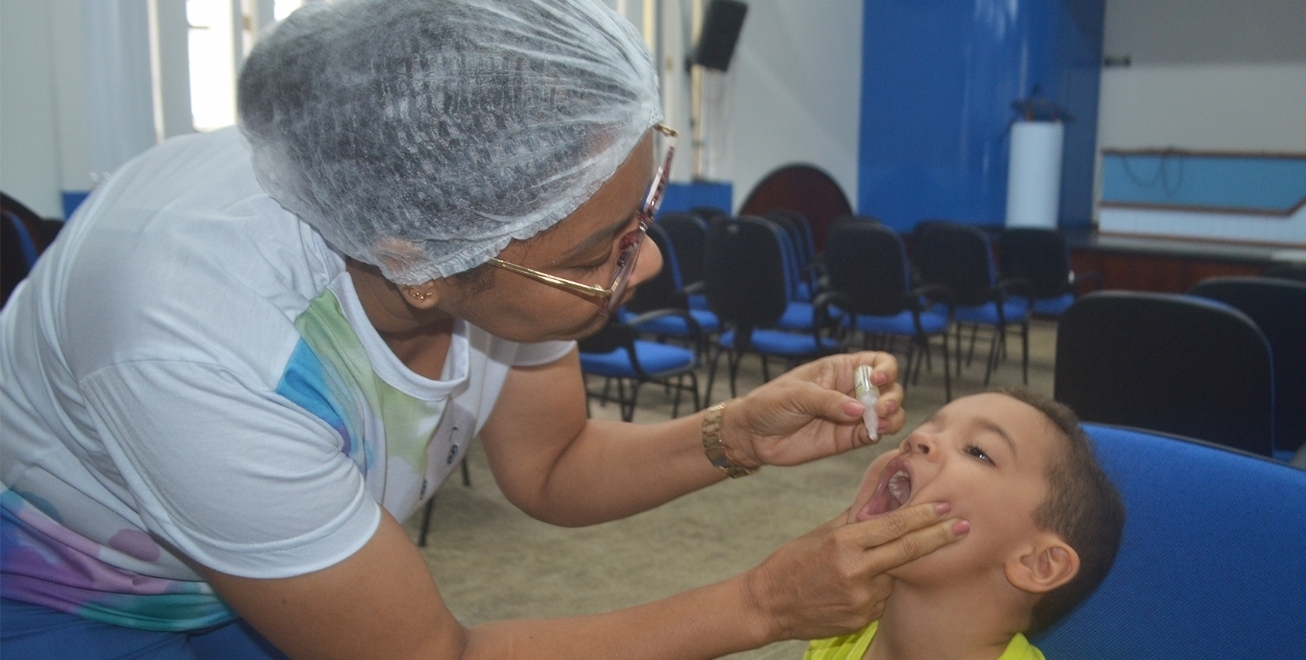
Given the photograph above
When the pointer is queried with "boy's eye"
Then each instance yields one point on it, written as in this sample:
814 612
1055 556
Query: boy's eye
979 453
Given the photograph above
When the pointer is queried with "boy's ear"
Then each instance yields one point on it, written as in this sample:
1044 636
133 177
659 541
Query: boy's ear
1044 565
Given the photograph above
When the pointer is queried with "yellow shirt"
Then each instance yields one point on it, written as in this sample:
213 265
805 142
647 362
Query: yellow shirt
853 647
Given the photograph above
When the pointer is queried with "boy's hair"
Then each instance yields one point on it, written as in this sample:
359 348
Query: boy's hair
1082 507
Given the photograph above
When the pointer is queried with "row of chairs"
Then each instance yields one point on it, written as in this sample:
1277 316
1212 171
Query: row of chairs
1225 363
763 290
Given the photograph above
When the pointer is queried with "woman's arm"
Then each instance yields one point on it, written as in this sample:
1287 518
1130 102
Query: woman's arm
382 603
564 469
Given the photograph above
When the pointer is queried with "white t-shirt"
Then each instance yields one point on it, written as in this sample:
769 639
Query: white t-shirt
189 362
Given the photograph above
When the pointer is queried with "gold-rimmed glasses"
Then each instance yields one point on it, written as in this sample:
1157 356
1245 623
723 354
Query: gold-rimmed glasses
628 249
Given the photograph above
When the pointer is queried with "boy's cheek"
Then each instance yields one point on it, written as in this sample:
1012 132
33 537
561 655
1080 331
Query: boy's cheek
870 479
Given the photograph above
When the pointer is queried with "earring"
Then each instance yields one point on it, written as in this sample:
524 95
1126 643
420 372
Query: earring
421 297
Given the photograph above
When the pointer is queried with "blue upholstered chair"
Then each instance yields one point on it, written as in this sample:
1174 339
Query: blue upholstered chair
960 257
616 354
1278 306
870 278
666 290
1171 363
687 233
1041 257
748 288
1213 560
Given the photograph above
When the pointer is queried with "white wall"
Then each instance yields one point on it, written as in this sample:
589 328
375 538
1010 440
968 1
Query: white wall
29 163
1205 74
793 93
76 93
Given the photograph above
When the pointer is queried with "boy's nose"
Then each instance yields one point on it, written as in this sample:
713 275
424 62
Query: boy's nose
918 443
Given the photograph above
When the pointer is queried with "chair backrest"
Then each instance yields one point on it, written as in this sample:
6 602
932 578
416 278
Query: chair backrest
664 290
790 237
799 228
746 281
25 236
1279 309
688 234
1171 363
868 263
1037 255
1211 562
1295 271
959 257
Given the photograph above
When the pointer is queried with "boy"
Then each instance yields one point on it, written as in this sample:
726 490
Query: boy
1045 526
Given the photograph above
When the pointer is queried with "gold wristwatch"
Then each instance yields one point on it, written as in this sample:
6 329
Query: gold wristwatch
716 452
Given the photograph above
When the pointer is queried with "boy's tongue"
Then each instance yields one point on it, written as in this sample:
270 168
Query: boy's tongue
893 491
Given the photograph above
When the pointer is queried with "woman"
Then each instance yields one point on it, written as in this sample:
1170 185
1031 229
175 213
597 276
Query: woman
248 358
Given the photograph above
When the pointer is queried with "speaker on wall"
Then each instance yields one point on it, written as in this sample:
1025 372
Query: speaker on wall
721 28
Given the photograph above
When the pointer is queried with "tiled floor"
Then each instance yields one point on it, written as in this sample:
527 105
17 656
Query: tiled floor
493 562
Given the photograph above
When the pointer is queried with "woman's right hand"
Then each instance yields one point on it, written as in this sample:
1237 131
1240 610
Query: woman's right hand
832 580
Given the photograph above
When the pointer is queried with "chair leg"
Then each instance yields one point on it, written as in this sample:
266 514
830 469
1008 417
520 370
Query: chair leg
628 409
679 387
426 522
1024 350
947 370
711 376
693 382
467 476
733 362
970 353
992 364
957 352
766 371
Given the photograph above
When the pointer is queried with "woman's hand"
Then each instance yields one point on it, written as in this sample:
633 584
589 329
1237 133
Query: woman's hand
809 412
832 581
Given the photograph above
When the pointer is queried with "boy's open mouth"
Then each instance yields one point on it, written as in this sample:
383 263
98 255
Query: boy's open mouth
892 492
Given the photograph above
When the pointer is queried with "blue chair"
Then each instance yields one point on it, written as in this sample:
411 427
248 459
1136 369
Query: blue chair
1170 363
688 235
1279 309
870 278
804 275
1212 560
748 289
666 290
1042 258
614 353
960 257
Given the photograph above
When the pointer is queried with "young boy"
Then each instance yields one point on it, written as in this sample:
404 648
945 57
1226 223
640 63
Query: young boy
1045 526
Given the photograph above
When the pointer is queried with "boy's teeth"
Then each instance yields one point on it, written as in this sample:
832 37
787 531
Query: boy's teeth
900 486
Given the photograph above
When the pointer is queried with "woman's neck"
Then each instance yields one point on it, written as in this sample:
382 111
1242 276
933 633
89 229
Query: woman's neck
419 338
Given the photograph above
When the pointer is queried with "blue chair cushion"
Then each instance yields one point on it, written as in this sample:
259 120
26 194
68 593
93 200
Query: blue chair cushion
1048 306
1211 564
698 301
802 292
901 324
797 316
988 313
788 344
676 326
655 358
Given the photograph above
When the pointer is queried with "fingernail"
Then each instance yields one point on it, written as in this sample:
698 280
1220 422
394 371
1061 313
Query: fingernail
942 508
961 527
884 424
879 378
853 409
890 407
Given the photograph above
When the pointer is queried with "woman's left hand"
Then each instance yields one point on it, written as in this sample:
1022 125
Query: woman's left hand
810 413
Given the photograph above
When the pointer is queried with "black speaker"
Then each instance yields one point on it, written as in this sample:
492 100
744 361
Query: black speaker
721 28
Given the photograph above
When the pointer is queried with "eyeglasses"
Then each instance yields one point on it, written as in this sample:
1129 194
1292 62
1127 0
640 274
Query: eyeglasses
628 247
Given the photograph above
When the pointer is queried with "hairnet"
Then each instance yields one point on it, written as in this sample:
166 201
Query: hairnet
422 136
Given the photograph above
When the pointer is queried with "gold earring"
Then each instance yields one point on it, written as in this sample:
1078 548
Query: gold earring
421 297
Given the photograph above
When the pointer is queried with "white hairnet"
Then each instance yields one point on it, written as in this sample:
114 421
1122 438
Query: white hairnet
421 136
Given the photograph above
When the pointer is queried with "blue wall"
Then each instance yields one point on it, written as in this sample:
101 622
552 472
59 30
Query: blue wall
938 79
